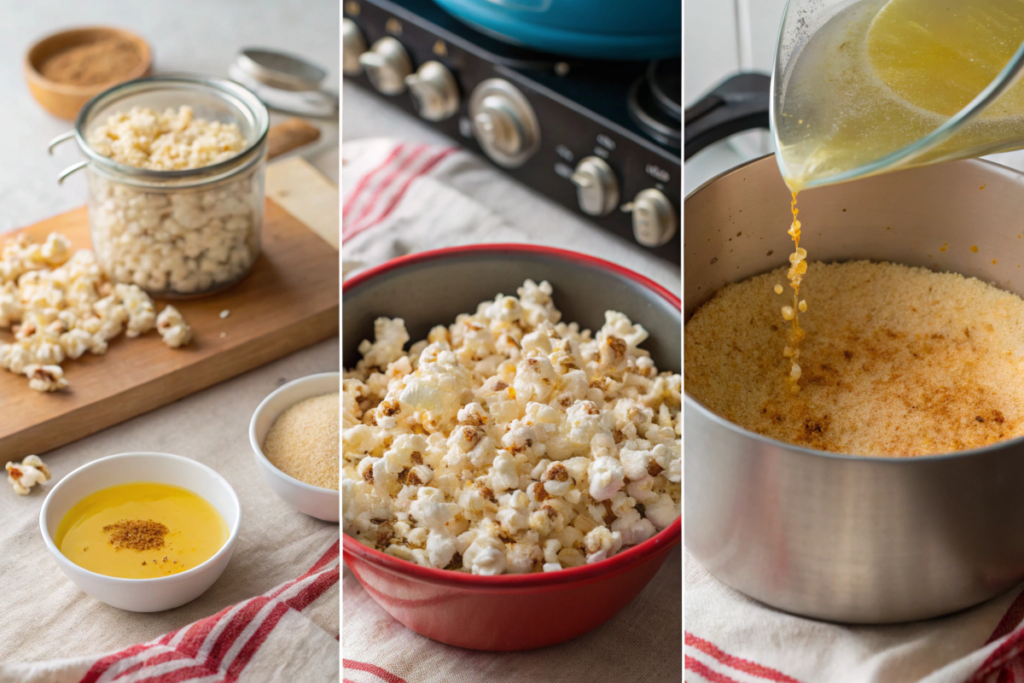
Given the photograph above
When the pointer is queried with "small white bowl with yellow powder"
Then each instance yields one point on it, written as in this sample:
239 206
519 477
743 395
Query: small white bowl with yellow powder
295 435
143 532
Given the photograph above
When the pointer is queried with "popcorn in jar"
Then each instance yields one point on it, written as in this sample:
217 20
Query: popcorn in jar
185 242
175 195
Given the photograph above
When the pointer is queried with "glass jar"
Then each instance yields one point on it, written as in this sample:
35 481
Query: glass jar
178 233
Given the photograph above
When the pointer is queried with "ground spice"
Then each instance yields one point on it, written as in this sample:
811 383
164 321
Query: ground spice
137 534
97 63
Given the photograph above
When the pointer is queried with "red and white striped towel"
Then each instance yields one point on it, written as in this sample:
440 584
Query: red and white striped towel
374 197
398 197
288 633
403 197
731 638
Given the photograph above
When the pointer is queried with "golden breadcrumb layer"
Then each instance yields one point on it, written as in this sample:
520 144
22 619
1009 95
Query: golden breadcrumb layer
897 361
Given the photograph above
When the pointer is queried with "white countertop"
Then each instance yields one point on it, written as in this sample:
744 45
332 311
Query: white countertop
199 36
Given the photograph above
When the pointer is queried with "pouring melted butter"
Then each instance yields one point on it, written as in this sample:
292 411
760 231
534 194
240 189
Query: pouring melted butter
795 275
881 75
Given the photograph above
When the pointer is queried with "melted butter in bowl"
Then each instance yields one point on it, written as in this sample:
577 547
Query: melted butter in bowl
136 508
141 530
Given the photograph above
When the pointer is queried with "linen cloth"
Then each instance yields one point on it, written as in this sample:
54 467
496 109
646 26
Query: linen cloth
45 617
400 198
266 638
731 638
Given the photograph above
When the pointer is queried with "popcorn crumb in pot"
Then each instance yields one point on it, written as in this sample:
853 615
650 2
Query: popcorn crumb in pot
24 476
509 441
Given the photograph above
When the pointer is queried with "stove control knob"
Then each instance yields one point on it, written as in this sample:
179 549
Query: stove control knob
597 189
387 64
354 45
434 91
654 219
504 123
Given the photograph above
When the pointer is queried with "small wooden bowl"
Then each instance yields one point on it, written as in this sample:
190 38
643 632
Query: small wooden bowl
64 100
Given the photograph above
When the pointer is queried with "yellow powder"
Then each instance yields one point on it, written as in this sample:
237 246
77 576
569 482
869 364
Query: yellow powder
303 442
897 361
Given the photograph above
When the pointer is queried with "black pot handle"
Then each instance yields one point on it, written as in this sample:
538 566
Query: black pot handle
736 104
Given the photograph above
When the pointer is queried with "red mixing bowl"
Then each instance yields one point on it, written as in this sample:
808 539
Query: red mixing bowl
519 611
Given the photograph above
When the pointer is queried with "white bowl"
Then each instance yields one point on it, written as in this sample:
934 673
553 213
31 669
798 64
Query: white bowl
312 500
143 595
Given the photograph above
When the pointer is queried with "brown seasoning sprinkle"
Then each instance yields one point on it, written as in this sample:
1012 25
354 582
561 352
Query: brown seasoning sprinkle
136 534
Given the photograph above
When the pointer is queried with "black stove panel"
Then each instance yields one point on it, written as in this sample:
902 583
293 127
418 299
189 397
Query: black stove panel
621 112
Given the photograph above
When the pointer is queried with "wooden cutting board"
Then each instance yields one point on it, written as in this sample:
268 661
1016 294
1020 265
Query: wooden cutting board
287 302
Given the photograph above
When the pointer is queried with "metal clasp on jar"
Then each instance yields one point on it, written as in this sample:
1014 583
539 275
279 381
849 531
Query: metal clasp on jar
70 135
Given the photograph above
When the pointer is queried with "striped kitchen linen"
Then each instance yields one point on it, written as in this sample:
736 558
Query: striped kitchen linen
288 633
731 638
401 197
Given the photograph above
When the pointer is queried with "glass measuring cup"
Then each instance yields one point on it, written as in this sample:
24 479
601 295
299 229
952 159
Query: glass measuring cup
835 117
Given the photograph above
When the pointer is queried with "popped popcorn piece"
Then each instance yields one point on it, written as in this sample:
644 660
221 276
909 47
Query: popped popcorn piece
173 328
60 305
509 441
138 308
389 338
601 543
486 556
606 477
46 377
28 473
168 141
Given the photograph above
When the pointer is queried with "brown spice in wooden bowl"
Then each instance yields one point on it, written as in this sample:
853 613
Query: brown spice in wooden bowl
95 63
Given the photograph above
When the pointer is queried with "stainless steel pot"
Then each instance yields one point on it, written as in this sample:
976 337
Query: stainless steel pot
854 539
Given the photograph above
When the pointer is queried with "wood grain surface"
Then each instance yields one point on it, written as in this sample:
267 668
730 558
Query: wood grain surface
287 302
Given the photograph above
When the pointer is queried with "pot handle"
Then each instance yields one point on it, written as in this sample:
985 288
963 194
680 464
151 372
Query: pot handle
739 103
